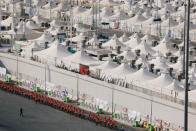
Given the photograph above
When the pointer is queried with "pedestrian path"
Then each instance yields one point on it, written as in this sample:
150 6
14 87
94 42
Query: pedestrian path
71 107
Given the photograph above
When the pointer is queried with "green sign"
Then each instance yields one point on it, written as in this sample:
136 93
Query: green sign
67 99
20 83
37 89
100 111
9 79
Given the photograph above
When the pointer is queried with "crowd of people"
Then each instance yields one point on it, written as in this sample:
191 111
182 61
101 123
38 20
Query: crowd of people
70 108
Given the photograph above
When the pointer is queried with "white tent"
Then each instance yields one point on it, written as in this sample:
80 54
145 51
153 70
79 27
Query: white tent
38 19
109 3
8 21
164 46
107 65
123 69
147 14
124 38
63 6
114 42
57 30
78 38
180 26
121 15
175 86
81 28
149 39
80 57
144 48
138 19
29 49
94 40
161 82
134 41
78 10
128 55
56 23
141 77
32 25
56 51
159 63
46 37
106 12
169 22
23 29
178 66
142 61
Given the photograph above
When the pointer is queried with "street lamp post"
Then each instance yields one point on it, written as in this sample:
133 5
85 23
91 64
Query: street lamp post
45 77
185 8
186 72
112 101
77 89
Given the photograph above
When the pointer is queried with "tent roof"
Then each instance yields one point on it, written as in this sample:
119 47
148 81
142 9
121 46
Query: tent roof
55 51
80 57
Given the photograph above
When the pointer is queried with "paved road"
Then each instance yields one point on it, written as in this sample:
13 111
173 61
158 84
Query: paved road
38 117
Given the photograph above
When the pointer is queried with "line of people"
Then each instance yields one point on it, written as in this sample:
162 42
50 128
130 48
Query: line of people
66 107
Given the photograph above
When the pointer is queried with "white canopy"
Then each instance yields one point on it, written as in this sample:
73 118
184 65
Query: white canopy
160 82
128 55
78 38
138 19
148 39
175 86
160 63
114 42
8 21
57 30
80 57
141 77
94 40
123 69
32 25
124 38
144 48
38 19
54 52
46 37
169 22
178 66
106 12
107 65
142 61
164 46
78 10
56 23
121 15
134 41
23 29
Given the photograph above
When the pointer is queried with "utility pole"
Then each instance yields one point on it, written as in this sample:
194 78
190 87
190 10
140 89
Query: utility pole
71 22
185 11
99 13
50 8
112 100
187 72
96 16
77 93
45 76
93 15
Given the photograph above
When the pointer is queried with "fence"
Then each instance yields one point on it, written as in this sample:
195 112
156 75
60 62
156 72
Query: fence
84 96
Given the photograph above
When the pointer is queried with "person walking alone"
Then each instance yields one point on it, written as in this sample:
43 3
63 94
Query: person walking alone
21 112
